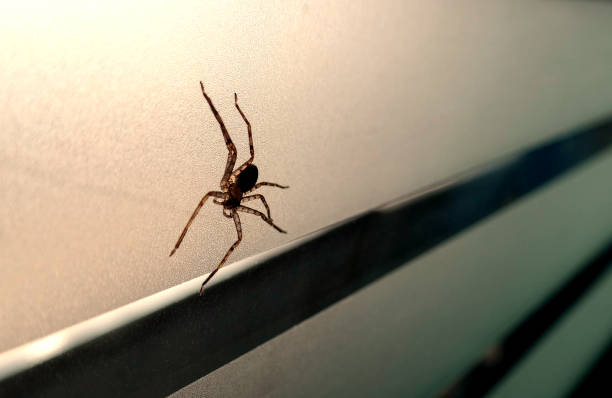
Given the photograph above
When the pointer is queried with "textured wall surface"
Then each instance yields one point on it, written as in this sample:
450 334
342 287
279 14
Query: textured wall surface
106 144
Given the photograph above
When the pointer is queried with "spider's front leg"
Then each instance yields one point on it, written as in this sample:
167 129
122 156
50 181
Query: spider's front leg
231 249
215 194
258 196
226 213
245 209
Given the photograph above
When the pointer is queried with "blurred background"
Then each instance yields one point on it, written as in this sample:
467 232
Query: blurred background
106 146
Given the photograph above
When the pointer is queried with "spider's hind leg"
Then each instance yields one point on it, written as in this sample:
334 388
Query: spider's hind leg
251 148
231 148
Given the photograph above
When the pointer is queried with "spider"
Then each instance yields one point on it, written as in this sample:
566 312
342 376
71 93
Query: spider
235 184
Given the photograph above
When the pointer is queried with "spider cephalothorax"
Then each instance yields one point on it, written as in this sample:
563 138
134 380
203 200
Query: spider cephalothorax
234 185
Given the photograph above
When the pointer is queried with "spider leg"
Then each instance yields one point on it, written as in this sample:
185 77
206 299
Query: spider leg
257 196
227 214
260 214
231 249
270 184
215 194
232 153
250 160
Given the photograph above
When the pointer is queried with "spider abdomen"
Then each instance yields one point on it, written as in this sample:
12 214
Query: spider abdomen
247 178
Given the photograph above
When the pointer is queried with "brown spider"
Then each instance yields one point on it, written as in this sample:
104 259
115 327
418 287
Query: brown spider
234 185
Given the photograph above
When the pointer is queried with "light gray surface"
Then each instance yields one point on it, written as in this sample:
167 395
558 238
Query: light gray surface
106 144
554 367
412 333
